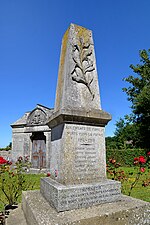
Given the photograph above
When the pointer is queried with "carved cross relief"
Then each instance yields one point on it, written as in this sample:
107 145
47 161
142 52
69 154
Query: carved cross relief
82 56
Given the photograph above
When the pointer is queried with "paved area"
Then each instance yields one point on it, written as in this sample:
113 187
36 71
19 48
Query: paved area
16 217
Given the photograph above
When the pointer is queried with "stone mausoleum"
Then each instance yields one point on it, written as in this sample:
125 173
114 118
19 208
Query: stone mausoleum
31 137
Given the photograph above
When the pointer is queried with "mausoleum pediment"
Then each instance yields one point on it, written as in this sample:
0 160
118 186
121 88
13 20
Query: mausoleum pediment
37 117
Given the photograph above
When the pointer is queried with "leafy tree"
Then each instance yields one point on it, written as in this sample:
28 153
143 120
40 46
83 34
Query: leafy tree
126 133
138 94
111 143
7 148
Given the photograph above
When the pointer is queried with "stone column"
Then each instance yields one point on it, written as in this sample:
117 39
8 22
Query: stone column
77 157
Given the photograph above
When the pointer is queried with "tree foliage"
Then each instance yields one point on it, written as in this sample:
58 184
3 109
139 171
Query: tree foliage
7 148
134 129
138 94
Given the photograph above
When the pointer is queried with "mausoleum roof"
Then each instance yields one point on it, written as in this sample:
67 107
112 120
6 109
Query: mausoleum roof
23 121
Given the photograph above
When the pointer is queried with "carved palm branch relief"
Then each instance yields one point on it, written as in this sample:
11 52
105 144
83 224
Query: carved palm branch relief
81 55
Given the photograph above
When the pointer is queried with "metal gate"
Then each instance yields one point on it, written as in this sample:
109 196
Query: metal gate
38 153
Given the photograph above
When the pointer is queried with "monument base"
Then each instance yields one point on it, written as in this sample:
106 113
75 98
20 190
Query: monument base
126 211
68 197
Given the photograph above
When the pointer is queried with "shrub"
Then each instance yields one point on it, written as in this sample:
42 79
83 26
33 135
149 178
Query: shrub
12 179
125 157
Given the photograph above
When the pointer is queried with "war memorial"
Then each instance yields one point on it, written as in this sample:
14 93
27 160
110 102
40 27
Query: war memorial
80 193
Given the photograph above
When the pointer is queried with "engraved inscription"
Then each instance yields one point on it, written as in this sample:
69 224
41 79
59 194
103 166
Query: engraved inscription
86 153
90 195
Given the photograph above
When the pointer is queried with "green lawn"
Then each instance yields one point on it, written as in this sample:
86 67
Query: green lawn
139 191
31 180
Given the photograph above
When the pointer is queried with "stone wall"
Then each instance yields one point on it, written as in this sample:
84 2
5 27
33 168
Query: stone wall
6 154
17 143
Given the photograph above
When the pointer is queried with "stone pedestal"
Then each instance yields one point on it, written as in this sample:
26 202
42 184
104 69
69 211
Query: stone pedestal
67 197
127 211
78 146
78 156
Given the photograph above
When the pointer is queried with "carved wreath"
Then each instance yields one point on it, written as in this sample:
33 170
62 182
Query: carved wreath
81 55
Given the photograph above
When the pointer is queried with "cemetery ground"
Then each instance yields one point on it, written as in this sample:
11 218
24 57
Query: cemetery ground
140 191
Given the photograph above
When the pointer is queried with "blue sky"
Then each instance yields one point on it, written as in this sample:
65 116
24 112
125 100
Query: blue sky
30 39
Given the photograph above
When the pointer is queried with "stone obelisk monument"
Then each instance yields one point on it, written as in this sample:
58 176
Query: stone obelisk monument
77 156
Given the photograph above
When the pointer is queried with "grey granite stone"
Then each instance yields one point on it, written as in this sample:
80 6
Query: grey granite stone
77 153
16 217
127 211
77 84
80 116
68 197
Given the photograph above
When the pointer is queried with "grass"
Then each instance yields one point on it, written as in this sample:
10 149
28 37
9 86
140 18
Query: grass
31 180
139 191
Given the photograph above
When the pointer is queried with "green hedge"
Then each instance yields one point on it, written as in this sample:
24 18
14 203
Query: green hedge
125 156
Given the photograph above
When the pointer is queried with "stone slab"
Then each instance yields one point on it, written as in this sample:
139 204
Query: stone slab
128 211
68 197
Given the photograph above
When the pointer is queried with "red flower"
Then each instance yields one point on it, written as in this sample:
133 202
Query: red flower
48 174
148 153
142 160
142 169
3 161
136 159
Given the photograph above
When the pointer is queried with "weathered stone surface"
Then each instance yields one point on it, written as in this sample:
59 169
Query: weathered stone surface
16 216
78 153
77 85
68 197
80 116
127 211
77 127
23 130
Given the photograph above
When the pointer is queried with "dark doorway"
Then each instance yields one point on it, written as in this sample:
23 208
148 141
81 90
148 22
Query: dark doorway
38 150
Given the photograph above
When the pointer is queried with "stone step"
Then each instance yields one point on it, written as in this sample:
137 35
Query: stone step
68 197
16 217
127 211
